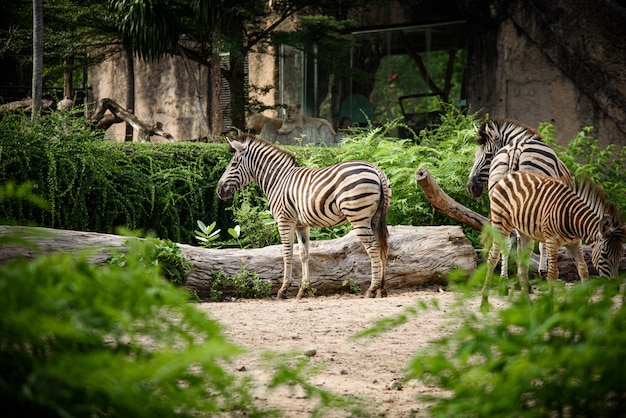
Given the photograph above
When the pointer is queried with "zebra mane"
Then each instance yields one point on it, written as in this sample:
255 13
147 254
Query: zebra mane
501 130
593 196
251 139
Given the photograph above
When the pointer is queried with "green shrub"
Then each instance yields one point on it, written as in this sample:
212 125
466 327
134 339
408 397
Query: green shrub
164 189
446 150
584 158
92 185
163 254
244 285
562 355
83 340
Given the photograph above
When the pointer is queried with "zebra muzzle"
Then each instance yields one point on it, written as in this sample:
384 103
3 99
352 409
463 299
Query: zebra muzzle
225 191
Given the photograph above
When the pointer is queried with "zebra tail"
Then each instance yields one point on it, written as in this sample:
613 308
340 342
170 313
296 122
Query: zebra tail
381 216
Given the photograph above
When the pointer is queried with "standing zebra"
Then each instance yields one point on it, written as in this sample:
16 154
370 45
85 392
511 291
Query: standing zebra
506 146
300 198
559 214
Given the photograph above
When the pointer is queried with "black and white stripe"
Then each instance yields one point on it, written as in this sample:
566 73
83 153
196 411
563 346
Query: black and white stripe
559 214
300 198
506 146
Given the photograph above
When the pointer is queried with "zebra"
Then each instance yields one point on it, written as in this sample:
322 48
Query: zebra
559 214
504 146
300 198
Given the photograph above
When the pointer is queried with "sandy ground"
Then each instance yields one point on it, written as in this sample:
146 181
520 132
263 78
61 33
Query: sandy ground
320 329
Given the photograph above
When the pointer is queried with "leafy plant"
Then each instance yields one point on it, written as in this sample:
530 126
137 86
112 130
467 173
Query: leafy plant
584 158
207 235
243 285
562 355
235 232
257 226
163 254
86 340
352 286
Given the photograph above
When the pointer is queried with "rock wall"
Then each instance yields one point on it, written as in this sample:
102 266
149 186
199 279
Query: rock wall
164 92
516 61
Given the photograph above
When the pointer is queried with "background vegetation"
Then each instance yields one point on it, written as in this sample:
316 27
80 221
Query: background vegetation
94 185
165 188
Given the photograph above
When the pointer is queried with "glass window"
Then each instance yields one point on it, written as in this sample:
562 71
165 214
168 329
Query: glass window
389 74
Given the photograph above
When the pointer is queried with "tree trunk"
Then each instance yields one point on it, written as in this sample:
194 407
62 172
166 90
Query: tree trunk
417 256
68 79
130 92
237 92
215 91
37 85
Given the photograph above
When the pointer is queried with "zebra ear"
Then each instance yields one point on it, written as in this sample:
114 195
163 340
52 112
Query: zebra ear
236 145
608 225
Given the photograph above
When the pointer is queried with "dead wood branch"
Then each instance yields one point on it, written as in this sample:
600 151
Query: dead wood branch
441 201
144 130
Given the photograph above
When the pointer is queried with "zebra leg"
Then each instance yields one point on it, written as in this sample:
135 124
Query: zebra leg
523 258
492 260
552 253
576 251
367 238
303 234
543 259
286 238
504 258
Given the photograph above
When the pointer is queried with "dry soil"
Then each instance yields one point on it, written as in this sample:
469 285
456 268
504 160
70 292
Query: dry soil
321 330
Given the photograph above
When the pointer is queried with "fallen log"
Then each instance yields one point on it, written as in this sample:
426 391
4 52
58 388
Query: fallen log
417 256
25 105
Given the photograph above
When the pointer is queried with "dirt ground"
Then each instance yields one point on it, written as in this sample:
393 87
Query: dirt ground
321 328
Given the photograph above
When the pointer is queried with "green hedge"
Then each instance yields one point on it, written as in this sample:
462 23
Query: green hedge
93 185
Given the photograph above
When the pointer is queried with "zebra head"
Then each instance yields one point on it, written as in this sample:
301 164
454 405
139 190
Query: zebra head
490 141
608 248
237 174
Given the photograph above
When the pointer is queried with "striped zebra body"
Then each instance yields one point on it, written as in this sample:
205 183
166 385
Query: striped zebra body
559 214
506 146
301 198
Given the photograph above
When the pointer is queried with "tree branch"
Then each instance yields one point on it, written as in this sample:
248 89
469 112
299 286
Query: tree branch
441 201
144 130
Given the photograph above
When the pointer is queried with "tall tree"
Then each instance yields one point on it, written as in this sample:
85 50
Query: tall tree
37 85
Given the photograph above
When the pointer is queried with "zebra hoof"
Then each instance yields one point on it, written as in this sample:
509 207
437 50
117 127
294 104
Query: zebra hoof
370 294
281 294
381 293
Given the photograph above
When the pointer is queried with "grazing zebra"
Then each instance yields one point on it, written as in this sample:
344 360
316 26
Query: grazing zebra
506 146
559 214
300 198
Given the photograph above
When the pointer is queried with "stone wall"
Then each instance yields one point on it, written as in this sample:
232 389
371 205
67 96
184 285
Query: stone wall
557 65
164 92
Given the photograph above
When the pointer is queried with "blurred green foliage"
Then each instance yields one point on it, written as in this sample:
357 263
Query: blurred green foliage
561 355
84 340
